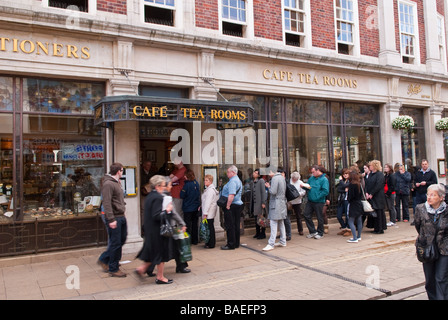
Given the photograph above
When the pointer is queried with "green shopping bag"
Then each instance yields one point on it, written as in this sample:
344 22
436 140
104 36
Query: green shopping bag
204 231
184 247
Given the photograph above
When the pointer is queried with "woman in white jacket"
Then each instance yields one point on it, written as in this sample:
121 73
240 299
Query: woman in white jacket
209 207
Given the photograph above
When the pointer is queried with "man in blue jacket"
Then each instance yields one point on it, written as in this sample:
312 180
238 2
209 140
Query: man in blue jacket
320 187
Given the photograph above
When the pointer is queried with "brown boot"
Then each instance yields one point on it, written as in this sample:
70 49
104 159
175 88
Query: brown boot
118 274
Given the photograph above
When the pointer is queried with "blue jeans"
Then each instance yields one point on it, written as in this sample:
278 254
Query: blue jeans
342 212
116 239
351 223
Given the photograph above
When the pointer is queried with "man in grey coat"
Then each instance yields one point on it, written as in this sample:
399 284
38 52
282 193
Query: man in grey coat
277 209
258 203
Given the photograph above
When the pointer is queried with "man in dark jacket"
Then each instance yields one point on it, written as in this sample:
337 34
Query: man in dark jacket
423 179
402 189
114 209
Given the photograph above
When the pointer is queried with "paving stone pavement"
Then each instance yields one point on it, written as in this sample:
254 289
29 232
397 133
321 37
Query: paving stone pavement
378 267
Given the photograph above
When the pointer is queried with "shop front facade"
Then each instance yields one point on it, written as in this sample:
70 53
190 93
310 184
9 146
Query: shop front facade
58 85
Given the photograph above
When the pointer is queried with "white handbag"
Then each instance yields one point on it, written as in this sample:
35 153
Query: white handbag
366 206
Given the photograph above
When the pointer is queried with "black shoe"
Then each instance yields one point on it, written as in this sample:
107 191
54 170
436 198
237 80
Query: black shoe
164 282
256 235
226 247
261 236
184 270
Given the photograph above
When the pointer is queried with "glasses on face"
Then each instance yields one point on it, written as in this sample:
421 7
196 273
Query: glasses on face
432 195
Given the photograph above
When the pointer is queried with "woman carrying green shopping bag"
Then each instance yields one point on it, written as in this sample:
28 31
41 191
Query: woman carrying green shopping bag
210 208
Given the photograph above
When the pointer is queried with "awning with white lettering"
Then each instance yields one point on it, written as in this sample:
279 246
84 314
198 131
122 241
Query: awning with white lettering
145 108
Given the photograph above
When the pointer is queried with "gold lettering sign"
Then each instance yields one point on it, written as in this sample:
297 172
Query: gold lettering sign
44 48
308 78
414 89
189 113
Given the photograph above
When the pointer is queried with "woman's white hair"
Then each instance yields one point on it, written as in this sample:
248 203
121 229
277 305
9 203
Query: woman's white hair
295 175
439 188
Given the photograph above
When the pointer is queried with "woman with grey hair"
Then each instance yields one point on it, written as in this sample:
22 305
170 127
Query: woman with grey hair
297 202
431 222
155 247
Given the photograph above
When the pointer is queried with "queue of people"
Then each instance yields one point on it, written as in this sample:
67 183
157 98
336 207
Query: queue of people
390 189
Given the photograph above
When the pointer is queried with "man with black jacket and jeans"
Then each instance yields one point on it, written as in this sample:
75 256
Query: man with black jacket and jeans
114 209
423 179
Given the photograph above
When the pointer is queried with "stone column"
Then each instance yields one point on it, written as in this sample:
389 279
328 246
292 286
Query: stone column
205 90
126 136
391 138
433 61
386 24
433 137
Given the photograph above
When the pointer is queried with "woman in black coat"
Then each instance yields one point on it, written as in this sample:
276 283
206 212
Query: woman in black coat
155 247
355 210
375 195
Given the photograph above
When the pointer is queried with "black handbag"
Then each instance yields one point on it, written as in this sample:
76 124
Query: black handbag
166 229
222 201
428 253
291 192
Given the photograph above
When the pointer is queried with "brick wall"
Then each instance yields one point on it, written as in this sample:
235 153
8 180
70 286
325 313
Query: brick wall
322 24
206 12
114 6
368 28
268 19
441 7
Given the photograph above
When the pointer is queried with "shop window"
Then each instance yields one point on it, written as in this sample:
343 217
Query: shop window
77 5
413 141
311 111
307 145
6 167
63 163
257 102
6 94
56 96
361 114
160 12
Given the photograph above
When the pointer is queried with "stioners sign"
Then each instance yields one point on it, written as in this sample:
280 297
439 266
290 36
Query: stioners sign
141 108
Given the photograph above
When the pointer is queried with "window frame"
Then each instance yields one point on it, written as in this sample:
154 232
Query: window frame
305 39
92 8
247 26
415 57
354 45
177 10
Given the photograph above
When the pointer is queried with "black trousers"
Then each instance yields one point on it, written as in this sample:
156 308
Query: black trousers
436 275
212 241
191 220
232 224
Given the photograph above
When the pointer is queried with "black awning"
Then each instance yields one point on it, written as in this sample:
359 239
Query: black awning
145 108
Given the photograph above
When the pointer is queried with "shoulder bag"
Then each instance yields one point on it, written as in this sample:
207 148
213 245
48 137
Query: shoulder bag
222 201
366 206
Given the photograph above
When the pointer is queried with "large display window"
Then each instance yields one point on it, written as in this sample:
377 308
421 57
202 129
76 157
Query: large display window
51 164
333 134
63 163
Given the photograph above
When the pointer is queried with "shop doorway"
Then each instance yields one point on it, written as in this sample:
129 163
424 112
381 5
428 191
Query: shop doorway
155 146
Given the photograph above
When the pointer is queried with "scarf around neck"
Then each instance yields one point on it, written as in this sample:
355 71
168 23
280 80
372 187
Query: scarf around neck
437 211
